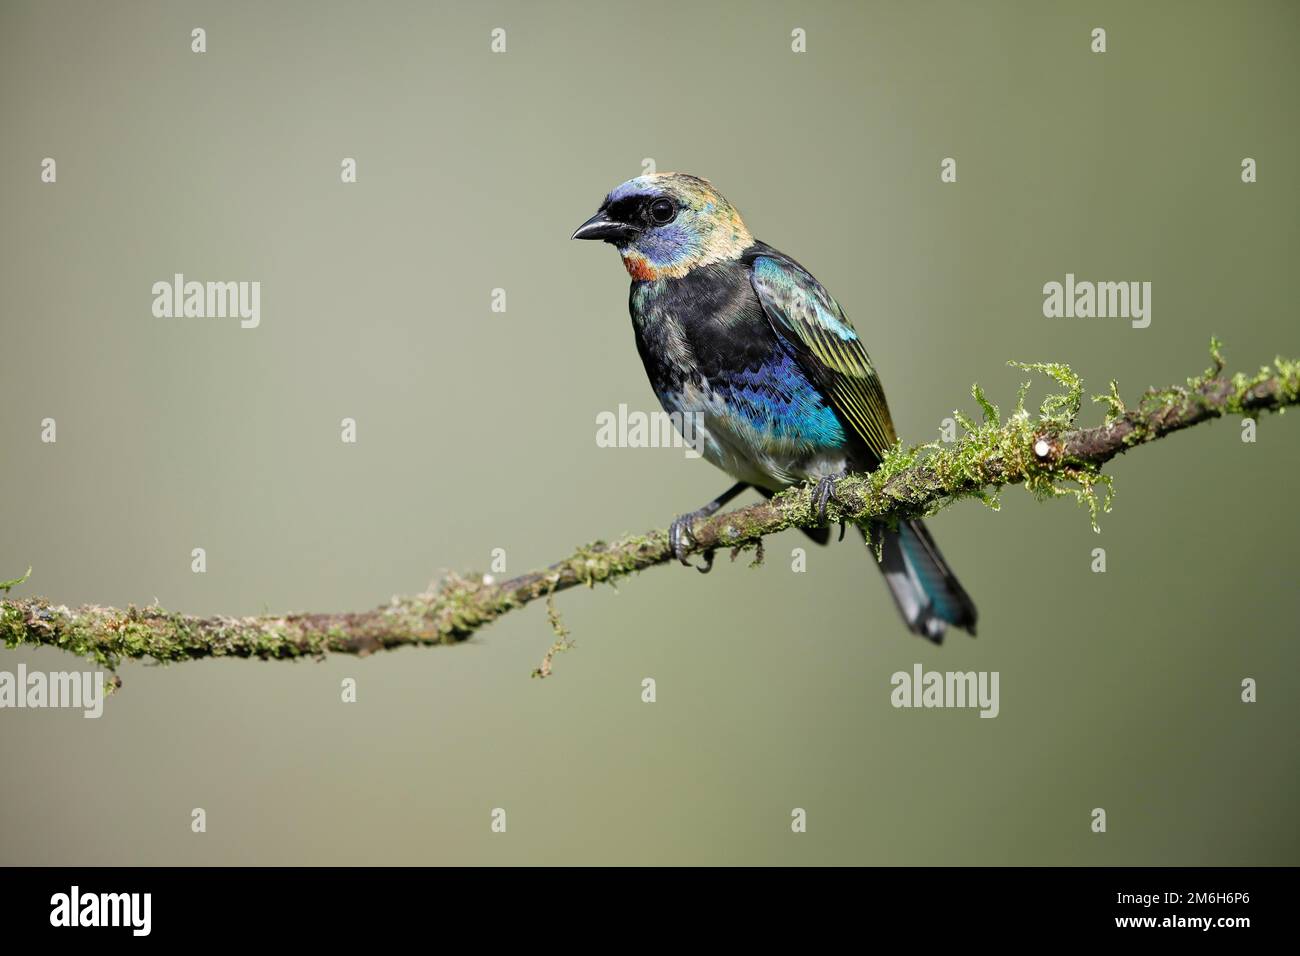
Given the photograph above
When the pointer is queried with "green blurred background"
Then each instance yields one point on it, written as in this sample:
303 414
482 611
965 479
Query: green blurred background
476 429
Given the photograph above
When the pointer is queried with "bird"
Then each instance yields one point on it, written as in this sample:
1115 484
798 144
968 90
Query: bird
745 340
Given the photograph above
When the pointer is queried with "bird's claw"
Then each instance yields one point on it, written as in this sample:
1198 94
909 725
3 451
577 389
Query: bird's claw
681 539
678 534
823 494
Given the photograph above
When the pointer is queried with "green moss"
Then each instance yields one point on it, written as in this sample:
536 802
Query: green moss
1059 408
1115 408
1216 357
562 641
991 412
7 586
13 629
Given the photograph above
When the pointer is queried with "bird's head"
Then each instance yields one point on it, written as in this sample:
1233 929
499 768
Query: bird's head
666 224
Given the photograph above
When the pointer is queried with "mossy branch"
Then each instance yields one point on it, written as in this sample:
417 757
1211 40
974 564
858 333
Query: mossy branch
1044 451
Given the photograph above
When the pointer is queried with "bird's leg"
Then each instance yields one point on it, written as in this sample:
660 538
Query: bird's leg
680 537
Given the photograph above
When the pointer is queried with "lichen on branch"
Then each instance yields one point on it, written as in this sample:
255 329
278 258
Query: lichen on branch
1045 451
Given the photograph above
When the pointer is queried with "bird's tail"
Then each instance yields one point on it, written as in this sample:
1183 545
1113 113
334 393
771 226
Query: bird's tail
927 593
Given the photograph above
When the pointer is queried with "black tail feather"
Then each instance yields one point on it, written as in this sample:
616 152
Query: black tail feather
927 593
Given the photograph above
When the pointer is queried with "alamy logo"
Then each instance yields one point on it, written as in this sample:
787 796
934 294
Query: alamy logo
102 909
1102 300
635 429
949 689
76 689
208 300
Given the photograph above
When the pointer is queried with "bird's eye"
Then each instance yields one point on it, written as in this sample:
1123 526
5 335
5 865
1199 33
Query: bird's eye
662 211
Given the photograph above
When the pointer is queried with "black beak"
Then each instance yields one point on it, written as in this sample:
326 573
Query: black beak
600 226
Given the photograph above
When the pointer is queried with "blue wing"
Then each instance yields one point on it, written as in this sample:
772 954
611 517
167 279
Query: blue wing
803 314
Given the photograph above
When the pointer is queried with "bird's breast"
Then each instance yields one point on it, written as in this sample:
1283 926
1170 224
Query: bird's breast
755 412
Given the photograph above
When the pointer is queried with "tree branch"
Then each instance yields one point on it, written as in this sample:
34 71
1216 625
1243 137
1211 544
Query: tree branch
1045 452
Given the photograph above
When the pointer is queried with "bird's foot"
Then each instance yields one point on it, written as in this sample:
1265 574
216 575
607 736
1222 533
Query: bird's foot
681 538
823 495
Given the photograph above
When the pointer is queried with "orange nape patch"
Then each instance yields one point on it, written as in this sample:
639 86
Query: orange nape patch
639 268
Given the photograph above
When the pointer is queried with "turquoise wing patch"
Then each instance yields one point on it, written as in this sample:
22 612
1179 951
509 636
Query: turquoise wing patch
803 313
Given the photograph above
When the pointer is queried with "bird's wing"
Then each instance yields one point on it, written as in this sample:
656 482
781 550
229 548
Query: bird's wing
803 313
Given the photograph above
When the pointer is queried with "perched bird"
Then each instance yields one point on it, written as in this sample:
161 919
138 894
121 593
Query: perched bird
744 339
